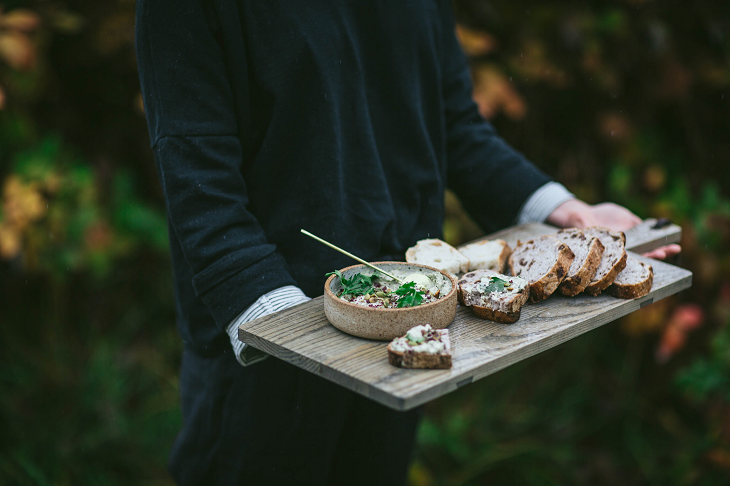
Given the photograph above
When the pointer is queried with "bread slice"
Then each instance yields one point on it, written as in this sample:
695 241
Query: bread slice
588 251
421 347
486 255
438 254
634 281
499 305
544 262
613 259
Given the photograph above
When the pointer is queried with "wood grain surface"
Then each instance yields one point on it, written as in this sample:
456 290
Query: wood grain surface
639 239
302 336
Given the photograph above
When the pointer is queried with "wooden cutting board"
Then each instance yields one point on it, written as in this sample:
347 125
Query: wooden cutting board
302 335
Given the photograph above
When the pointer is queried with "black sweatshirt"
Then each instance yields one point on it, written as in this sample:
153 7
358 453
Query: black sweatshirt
347 118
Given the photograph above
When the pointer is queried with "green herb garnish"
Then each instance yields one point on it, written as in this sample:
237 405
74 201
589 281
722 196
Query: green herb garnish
495 284
359 284
410 296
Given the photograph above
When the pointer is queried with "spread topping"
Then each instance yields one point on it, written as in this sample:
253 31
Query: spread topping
379 291
420 339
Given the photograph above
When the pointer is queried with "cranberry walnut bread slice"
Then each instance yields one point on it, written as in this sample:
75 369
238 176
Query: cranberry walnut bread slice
438 254
421 347
588 251
543 262
634 281
493 296
486 255
613 259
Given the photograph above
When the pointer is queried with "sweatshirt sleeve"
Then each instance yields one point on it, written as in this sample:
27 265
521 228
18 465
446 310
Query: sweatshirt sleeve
196 138
493 180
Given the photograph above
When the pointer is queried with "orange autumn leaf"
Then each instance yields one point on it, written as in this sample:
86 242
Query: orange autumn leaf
615 126
9 242
22 203
685 318
475 42
720 458
20 19
493 93
17 50
655 178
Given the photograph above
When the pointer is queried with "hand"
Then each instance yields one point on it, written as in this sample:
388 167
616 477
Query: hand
575 213
663 252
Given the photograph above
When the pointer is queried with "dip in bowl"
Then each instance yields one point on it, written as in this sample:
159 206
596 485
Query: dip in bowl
378 316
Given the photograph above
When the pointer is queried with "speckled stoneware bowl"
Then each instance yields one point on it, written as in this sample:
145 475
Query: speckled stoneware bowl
387 324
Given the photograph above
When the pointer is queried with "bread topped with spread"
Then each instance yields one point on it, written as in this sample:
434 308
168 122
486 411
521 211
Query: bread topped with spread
588 251
438 254
421 347
494 296
543 262
486 255
613 259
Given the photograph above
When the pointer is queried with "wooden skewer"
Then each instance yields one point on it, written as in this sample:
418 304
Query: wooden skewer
352 256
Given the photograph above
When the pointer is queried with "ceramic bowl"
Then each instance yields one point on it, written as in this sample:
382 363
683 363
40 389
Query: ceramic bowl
386 324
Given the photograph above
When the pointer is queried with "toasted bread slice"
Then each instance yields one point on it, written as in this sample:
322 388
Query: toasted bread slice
544 262
588 251
488 301
634 281
421 347
438 254
486 255
613 259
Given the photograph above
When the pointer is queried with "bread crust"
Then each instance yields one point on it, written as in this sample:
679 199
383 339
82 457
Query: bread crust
403 359
549 282
575 284
595 288
495 315
411 254
633 291
419 360
506 252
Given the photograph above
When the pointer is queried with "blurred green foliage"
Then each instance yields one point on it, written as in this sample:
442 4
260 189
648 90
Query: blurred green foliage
619 100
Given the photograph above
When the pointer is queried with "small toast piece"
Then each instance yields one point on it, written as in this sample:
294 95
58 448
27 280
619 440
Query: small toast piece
634 281
544 262
497 305
613 259
421 348
486 255
438 254
588 251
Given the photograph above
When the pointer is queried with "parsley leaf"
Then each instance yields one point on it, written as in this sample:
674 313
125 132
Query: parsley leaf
410 296
495 284
359 284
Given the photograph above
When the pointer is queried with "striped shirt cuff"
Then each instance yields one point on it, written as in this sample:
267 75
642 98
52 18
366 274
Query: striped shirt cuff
543 202
274 301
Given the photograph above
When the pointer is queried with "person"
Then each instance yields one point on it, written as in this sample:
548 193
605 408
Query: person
348 119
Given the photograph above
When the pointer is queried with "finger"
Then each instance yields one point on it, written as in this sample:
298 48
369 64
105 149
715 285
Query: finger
657 254
624 225
671 250
664 252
